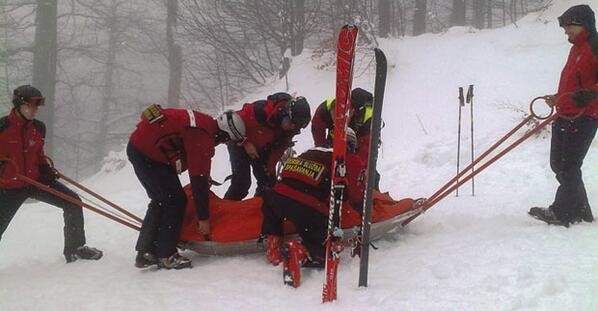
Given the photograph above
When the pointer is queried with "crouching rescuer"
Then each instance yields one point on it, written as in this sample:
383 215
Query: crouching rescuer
301 196
166 143
22 140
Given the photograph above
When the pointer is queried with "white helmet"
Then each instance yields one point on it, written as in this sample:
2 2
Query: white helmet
232 124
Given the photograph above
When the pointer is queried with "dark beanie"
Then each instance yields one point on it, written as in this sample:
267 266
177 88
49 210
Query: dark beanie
581 15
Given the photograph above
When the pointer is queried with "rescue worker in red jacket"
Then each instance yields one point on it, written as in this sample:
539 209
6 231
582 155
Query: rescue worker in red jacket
574 130
22 152
302 197
166 143
322 125
271 125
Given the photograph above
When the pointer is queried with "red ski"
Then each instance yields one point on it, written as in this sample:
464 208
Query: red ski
344 78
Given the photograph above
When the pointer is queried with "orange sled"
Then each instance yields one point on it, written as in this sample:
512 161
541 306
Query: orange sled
236 225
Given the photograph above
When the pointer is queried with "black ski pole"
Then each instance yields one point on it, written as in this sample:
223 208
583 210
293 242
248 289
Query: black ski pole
461 104
470 102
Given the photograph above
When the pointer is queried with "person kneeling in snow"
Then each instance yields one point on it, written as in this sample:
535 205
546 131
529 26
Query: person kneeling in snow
302 197
22 140
166 143
574 130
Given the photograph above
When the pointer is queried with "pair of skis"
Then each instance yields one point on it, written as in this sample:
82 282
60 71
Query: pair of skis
342 111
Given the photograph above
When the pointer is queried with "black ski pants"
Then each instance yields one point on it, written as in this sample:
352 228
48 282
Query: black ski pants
12 199
241 178
161 226
571 140
311 225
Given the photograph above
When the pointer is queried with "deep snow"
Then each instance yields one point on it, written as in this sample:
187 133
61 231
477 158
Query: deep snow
467 253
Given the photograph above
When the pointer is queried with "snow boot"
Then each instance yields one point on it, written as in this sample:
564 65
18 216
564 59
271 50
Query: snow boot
586 214
294 255
145 259
175 261
547 215
83 252
273 244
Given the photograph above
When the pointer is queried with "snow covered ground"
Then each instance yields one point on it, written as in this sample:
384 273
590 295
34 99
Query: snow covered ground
467 253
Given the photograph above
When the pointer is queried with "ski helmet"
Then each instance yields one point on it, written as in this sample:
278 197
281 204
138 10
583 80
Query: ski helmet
360 98
351 140
27 94
232 124
299 111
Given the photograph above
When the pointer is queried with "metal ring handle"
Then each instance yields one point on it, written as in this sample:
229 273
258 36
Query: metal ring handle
534 114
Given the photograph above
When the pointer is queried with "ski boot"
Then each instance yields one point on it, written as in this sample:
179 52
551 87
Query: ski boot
547 215
83 252
273 244
145 259
176 261
294 255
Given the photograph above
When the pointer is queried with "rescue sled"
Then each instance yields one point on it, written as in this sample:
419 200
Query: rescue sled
236 225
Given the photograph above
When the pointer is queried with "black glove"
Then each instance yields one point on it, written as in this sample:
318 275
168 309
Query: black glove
48 174
583 97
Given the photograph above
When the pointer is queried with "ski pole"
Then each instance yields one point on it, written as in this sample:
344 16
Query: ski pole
450 186
470 102
461 104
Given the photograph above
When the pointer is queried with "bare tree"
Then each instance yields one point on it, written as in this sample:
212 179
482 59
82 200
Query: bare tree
44 62
384 15
458 13
419 17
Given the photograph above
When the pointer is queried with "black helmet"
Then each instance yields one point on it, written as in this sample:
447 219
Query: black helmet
360 98
580 15
27 93
299 111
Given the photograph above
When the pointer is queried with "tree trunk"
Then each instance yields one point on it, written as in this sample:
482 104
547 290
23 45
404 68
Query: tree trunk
108 99
458 13
419 17
175 57
384 18
478 13
489 16
297 26
44 63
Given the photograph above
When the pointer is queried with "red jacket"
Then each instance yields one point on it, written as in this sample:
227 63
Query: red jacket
21 141
306 179
263 129
183 139
580 72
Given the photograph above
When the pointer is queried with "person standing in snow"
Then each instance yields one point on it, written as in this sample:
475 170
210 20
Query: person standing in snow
322 124
22 140
302 197
166 143
574 130
271 125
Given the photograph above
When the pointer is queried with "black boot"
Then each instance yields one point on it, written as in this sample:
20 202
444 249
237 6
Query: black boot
586 214
144 260
547 215
83 252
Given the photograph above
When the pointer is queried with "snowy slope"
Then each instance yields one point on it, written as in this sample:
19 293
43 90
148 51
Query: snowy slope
468 253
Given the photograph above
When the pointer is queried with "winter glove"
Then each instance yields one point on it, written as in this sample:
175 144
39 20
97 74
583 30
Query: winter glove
48 174
583 97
